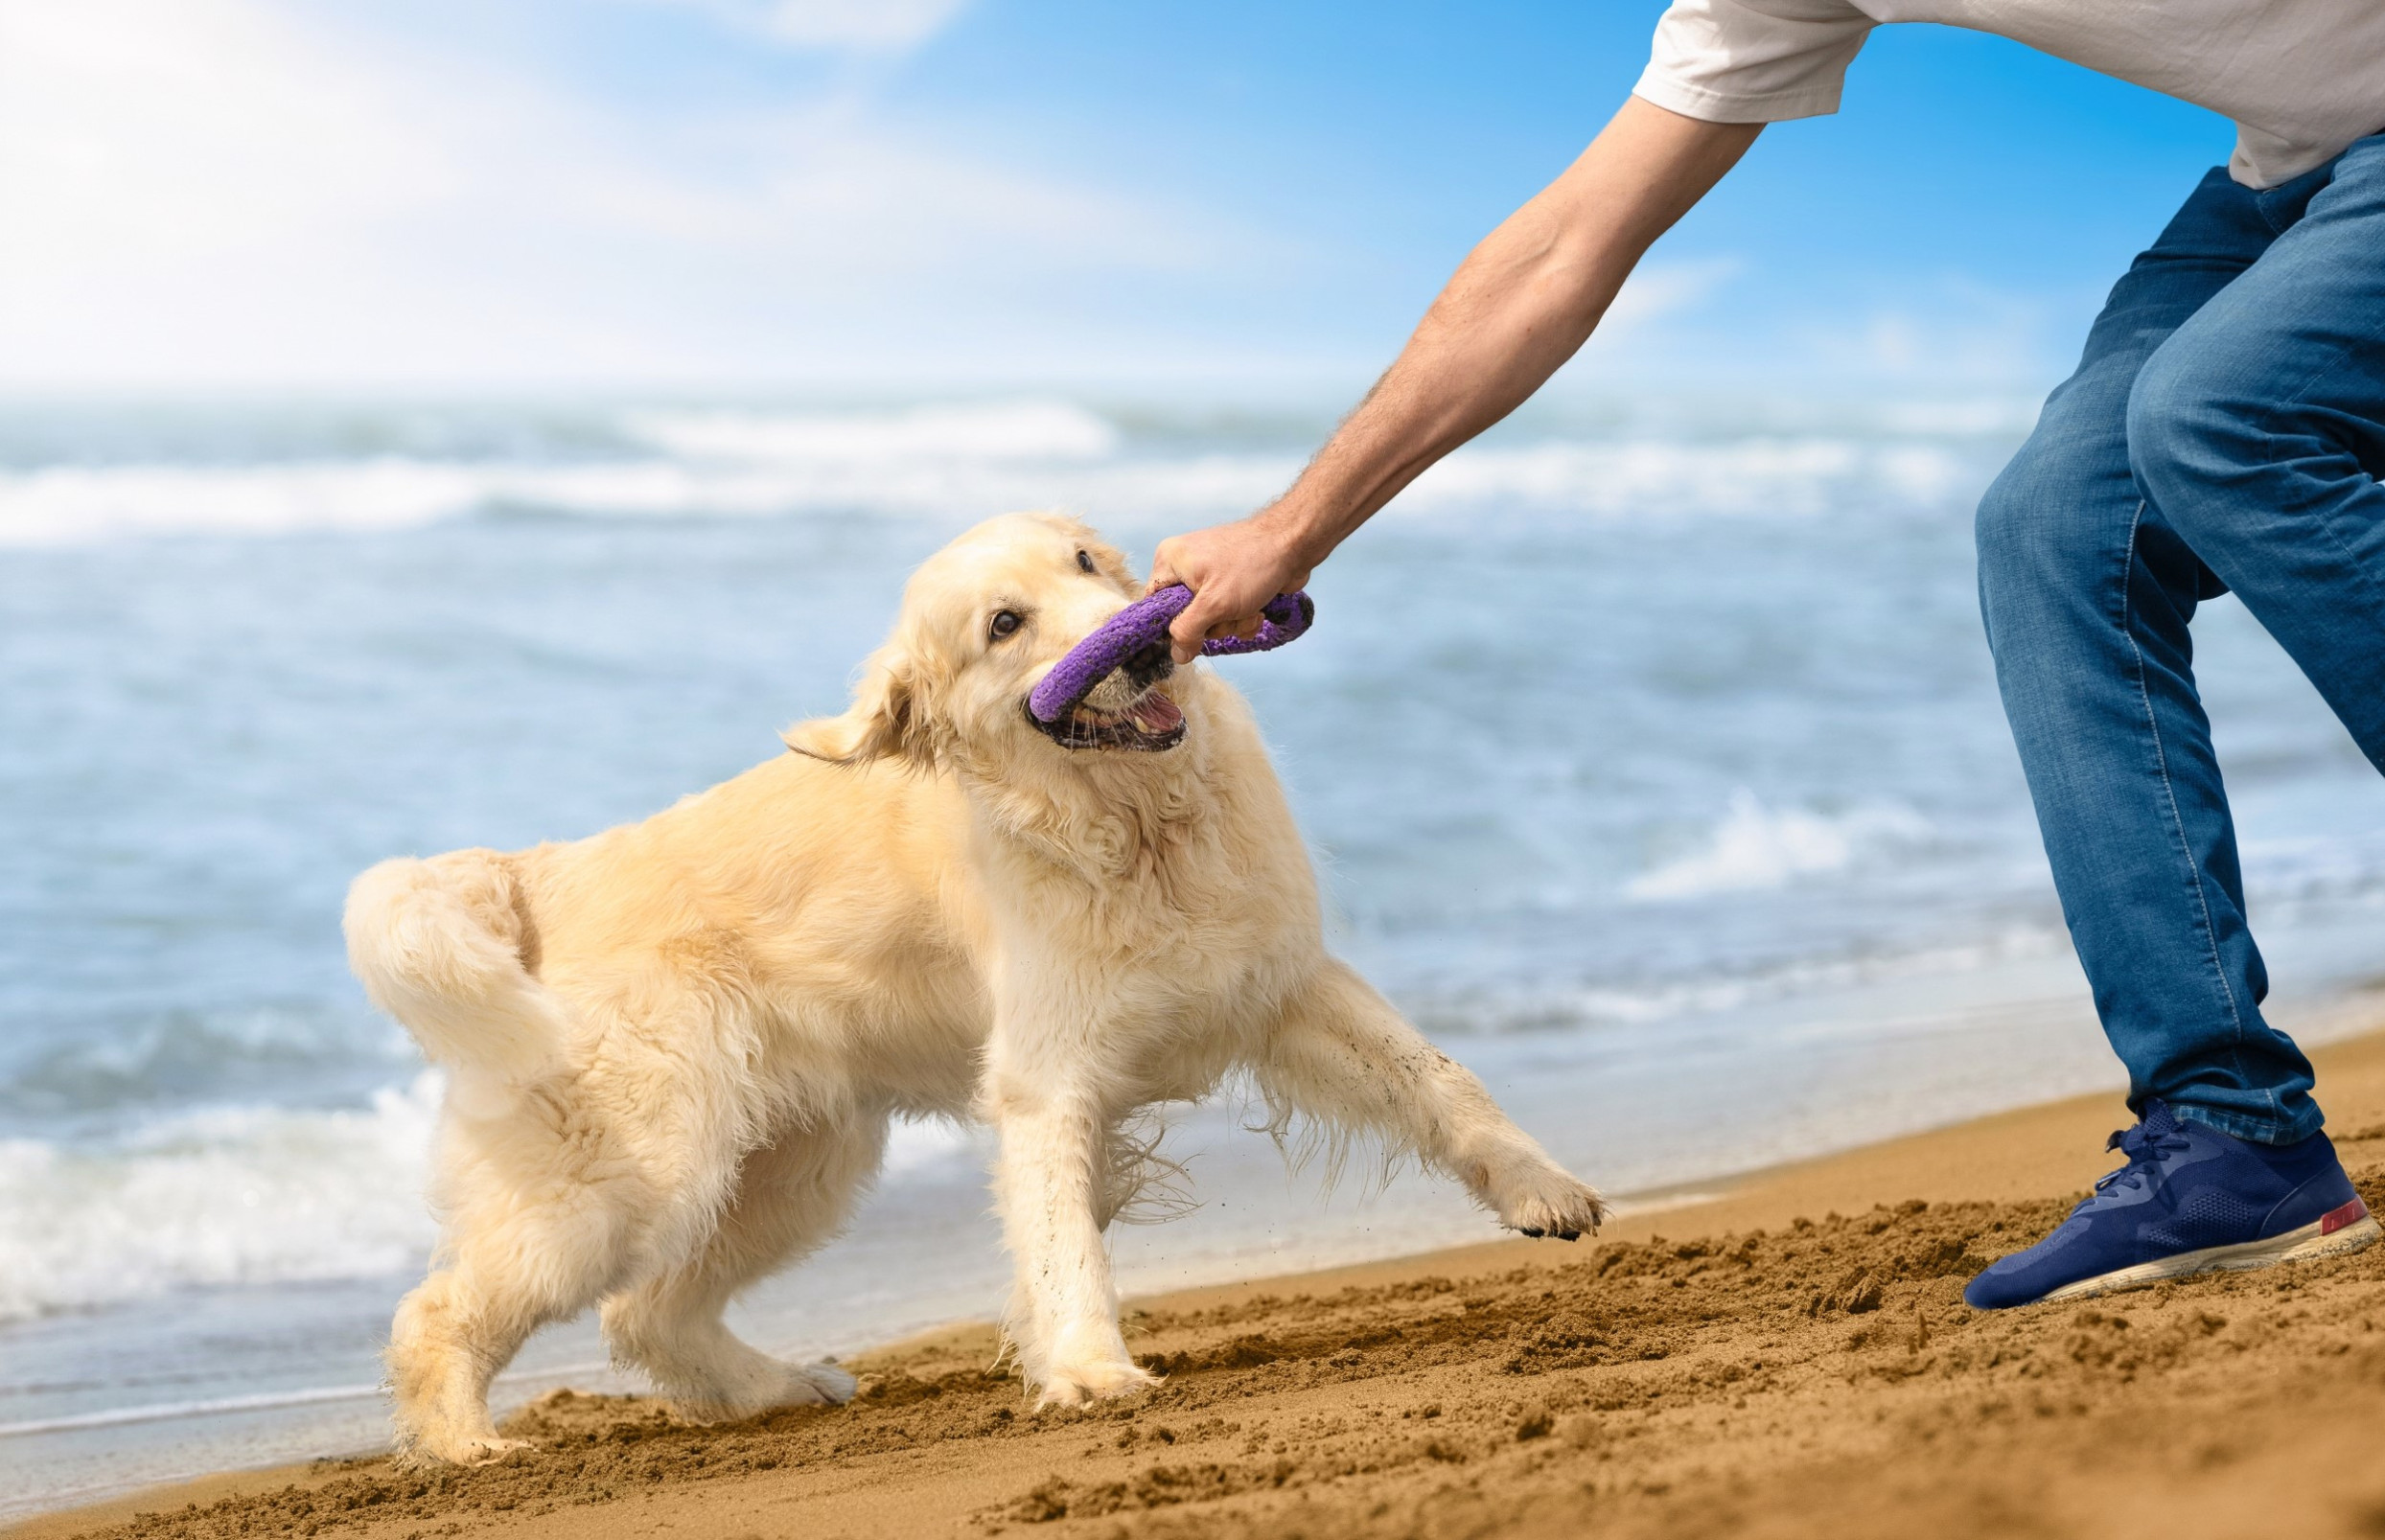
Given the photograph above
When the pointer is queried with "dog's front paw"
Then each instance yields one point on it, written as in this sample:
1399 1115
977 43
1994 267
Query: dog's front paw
1076 1384
1085 1360
1547 1202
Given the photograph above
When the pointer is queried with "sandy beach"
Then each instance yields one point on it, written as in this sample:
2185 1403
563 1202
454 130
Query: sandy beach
1791 1357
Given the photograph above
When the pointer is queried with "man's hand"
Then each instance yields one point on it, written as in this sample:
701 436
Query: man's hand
1232 569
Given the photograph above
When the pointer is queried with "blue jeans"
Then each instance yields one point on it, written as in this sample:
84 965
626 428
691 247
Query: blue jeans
2224 430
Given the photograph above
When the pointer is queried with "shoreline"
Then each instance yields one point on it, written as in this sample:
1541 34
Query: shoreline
2015 1162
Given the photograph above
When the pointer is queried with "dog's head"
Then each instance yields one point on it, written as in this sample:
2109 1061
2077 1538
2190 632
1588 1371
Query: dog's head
983 621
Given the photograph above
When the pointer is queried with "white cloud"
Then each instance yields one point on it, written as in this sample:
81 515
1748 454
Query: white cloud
135 128
235 192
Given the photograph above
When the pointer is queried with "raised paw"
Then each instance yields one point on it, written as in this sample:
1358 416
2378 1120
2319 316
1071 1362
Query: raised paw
1545 1202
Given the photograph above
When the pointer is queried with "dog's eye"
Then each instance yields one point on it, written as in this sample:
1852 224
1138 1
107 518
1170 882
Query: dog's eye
1084 561
1005 621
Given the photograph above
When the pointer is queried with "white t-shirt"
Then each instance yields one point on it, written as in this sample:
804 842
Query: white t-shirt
2302 78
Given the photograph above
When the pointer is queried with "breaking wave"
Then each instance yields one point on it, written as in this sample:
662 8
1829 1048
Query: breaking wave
224 1196
952 464
260 1195
1755 848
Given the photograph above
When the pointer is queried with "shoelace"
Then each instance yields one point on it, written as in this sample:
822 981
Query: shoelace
2145 1145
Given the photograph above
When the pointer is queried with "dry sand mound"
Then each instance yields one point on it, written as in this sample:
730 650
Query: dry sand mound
1819 1378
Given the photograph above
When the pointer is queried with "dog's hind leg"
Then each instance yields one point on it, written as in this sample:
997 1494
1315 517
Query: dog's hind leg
1343 1055
511 1268
792 1196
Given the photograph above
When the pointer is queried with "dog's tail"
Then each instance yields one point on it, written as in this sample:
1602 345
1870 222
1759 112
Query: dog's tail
448 946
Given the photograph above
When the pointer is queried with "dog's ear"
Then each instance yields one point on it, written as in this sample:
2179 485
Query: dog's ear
884 719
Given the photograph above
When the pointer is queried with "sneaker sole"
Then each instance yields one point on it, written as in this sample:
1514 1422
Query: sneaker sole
2330 1236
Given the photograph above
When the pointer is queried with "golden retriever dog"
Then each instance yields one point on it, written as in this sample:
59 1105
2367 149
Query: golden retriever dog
673 1048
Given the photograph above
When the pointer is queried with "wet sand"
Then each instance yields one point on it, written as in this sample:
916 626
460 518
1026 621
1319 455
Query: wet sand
1790 1358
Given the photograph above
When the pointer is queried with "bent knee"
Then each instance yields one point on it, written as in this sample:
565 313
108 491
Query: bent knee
2197 426
2037 524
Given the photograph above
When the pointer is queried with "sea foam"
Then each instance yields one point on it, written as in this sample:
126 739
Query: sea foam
218 1196
263 1195
949 464
1001 431
1759 847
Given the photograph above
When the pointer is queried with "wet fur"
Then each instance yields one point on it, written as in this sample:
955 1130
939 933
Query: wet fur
674 1048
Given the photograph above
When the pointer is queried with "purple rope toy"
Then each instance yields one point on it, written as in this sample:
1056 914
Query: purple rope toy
1281 619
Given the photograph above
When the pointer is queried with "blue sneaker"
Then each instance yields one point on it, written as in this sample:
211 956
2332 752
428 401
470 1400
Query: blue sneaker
2189 1200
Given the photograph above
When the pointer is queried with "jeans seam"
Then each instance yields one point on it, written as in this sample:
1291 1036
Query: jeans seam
2170 792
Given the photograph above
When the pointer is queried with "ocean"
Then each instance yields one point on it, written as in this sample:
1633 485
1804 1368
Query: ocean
1648 751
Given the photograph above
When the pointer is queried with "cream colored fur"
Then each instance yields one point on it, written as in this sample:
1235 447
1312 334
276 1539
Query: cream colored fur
674 1048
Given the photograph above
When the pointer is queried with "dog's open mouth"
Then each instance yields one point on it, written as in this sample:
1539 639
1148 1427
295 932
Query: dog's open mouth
1153 723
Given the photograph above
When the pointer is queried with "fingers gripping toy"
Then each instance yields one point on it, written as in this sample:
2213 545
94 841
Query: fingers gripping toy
1144 624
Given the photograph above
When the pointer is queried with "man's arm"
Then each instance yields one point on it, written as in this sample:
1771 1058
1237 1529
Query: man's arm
1521 304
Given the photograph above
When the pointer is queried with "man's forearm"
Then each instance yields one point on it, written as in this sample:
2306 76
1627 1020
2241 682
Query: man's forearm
1522 303
1516 309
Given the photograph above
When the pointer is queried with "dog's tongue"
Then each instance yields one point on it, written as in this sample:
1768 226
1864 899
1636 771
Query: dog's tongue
1156 713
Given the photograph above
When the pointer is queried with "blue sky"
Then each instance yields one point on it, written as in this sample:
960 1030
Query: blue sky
817 195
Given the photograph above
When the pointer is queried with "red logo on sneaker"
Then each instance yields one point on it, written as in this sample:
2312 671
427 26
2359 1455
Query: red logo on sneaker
2351 1213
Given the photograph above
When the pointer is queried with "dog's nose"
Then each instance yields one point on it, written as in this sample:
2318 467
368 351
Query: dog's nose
1149 665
